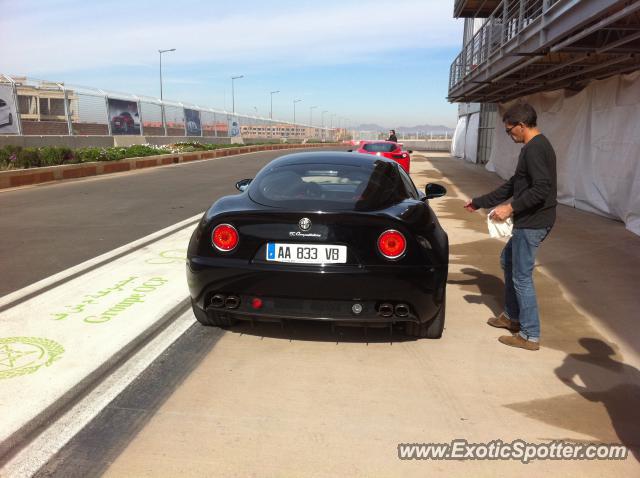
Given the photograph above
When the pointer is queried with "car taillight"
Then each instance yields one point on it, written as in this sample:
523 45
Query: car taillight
224 237
392 244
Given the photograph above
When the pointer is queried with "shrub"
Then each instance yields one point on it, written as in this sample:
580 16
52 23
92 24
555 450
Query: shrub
27 158
87 155
9 156
50 156
141 150
18 157
113 154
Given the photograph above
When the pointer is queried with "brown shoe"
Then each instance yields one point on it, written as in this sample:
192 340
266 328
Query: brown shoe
517 341
504 323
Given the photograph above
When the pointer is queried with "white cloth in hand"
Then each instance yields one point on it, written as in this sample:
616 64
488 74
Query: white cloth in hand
499 228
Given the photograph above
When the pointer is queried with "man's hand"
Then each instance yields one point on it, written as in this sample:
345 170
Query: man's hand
469 206
501 213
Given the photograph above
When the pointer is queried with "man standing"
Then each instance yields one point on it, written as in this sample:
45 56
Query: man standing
392 136
533 189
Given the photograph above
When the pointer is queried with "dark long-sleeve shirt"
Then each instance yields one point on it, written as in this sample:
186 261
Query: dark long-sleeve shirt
533 187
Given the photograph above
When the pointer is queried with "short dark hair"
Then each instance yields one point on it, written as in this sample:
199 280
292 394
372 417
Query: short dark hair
521 113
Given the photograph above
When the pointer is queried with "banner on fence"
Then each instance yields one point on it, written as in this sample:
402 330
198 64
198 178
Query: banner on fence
8 115
124 116
192 118
234 126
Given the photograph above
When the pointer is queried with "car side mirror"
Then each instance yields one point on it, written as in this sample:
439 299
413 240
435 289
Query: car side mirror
433 190
410 151
243 184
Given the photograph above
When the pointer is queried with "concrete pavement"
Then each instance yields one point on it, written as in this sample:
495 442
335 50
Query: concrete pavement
304 401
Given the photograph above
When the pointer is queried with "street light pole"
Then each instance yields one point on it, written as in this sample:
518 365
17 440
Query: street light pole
233 93
311 117
161 52
294 110
331 132
322 131
271 110
295 126
164 122
311 108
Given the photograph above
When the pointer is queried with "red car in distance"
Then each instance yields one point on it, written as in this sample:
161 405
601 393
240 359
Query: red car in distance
388 149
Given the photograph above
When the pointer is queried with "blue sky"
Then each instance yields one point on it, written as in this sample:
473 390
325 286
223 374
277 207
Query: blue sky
377 61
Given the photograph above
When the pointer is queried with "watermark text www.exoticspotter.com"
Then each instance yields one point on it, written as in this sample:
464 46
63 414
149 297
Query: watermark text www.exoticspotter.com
516 450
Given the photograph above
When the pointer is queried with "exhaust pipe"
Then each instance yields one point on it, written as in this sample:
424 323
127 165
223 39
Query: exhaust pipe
217 301
232 302
385 310
402 310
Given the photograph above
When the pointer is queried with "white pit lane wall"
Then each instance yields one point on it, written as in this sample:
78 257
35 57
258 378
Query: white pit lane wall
596 137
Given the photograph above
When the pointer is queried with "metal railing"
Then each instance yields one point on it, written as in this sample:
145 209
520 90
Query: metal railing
39 107
499 30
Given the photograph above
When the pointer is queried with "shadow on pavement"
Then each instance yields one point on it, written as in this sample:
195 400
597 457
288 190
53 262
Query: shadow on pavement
490 288
609 387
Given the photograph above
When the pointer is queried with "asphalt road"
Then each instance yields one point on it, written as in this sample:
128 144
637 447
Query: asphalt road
49 228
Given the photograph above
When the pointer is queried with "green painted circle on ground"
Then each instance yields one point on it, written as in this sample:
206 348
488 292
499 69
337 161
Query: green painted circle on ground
25 355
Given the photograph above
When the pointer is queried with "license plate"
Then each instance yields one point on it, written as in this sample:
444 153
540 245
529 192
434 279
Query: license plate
306 253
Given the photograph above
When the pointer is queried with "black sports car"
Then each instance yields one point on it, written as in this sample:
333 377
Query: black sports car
324 236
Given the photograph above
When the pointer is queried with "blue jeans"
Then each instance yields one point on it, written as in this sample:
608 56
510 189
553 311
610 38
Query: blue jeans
518 259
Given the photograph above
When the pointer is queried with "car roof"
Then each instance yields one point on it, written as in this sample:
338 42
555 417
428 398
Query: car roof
328 157
372 141
363 142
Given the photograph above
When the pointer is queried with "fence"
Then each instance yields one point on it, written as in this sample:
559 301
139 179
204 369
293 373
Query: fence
502 26
37 107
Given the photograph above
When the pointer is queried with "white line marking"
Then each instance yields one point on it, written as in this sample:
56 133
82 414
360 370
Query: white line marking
40 450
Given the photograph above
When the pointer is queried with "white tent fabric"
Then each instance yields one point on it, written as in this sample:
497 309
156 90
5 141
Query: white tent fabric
471 138
458 140
596 137
464 143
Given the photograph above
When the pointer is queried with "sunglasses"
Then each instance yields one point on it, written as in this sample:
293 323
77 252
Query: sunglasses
508 130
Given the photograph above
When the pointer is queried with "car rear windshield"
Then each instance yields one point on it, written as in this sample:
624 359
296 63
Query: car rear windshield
329 187
379 147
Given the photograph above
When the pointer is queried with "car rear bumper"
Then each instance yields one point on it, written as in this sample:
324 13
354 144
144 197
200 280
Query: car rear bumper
311 292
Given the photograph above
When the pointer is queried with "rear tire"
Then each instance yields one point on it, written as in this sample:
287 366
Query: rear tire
432 329
216 319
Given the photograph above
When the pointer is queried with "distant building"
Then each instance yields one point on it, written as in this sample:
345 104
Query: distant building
45 103
281 130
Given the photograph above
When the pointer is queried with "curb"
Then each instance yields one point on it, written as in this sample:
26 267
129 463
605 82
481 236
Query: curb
24 433
22 436
27 177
